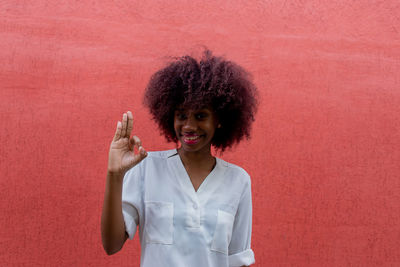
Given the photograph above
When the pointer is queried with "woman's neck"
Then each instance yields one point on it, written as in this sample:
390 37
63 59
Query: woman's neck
197 159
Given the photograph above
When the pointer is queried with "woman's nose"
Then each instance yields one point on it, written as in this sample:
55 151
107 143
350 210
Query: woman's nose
190 124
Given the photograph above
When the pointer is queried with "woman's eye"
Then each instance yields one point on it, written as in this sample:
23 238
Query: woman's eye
201 116
181 116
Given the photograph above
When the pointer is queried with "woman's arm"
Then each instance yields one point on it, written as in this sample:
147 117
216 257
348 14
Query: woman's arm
120 159
113 233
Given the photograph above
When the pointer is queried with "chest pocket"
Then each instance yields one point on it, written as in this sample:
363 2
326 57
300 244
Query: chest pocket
223 232
158 226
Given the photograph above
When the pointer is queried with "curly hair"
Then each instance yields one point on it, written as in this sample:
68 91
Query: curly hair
213 81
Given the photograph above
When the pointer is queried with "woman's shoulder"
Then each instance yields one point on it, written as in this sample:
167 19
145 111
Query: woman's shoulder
162 154
234 170
154 158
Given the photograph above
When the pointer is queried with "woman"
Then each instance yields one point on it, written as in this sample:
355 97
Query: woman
192 208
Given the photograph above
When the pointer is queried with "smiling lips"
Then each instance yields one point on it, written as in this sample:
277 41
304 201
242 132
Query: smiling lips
191 139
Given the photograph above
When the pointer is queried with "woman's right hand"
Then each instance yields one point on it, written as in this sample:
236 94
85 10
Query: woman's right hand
121 156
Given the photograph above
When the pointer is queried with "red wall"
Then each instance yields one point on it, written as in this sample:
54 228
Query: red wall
324 157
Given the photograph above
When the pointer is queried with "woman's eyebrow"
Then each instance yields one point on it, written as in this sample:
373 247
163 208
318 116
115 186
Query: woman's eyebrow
205 110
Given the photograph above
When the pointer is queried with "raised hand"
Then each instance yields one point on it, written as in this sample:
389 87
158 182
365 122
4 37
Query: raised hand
121 156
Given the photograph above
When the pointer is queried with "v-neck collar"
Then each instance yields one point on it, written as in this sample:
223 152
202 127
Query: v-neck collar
213 179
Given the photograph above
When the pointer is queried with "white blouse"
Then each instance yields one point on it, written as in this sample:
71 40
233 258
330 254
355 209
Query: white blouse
180 227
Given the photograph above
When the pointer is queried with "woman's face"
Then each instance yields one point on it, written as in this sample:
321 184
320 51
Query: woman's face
195 128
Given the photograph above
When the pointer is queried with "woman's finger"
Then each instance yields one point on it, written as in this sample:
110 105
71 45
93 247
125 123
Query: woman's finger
137 141
142 152
131 144
124 125
117 135
130 124
140 156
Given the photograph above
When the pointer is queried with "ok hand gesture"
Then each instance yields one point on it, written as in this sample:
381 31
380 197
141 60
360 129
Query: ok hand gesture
121 156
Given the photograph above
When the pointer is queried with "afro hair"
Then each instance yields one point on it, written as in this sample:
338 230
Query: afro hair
212 81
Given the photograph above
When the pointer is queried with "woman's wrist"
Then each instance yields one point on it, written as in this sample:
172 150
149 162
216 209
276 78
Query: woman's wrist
115 176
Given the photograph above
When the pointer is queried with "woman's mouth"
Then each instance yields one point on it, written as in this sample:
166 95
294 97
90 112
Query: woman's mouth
191 139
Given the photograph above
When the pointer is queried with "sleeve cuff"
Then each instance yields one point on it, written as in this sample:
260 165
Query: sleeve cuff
242 258
130 225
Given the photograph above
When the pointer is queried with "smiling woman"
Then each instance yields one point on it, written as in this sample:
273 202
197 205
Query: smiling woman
192 209
195 128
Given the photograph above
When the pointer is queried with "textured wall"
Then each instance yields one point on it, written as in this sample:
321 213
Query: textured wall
324 157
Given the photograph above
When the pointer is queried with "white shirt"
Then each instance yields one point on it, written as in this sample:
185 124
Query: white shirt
180 227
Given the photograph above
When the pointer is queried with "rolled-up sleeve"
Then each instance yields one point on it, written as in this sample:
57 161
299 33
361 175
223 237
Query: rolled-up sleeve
131 219
240 252
131 200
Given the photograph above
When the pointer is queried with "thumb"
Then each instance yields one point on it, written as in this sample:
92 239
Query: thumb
142 152
137 158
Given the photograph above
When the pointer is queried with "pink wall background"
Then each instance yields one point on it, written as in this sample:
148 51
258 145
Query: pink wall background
324 157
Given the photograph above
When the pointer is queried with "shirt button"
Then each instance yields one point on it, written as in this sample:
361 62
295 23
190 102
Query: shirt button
195 206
